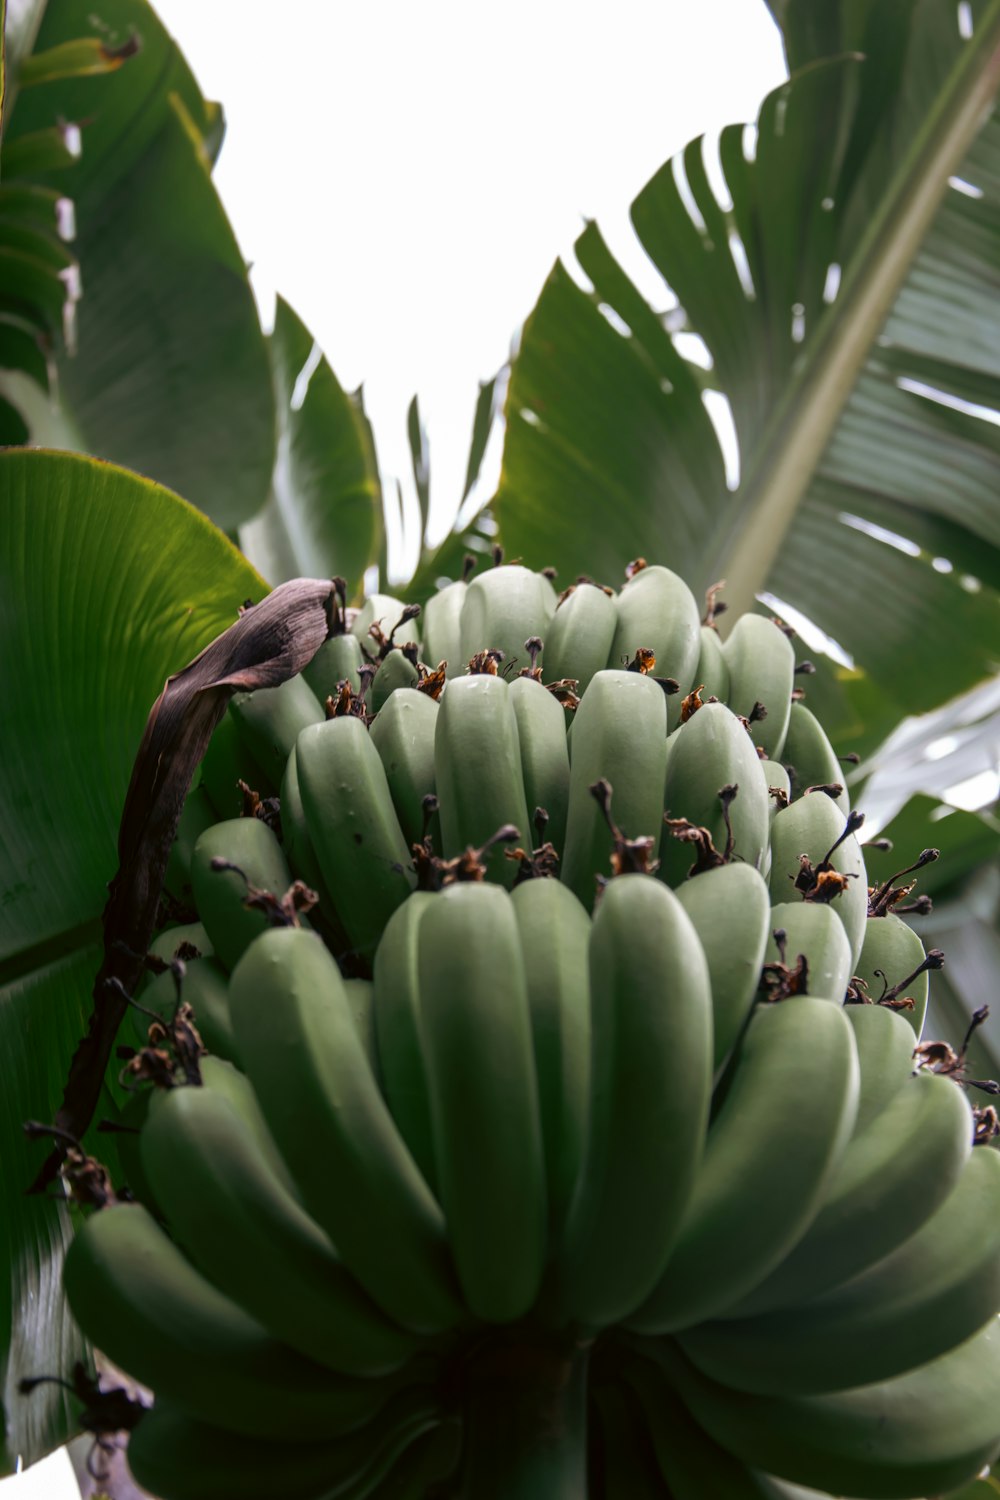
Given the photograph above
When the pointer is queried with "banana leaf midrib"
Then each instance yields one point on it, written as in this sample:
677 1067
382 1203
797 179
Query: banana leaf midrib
747 541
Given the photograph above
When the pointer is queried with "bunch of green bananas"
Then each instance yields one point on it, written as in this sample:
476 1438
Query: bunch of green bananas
606 1165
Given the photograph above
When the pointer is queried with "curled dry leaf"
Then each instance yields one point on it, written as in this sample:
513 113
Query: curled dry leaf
270 642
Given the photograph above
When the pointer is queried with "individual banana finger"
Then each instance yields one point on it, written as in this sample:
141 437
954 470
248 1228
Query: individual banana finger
541 734
620 735
338 660
476 1038
441 628
709 754
772 1150
815 854
815 935
396 1010
761 665
257 860
579 635
651 1068
362 853
204 985
271 719
384 615
712 671
395 671
657 612
226 763
477 766
885 1056
730 912
504 607
809 757
403 735
893 966
323 1106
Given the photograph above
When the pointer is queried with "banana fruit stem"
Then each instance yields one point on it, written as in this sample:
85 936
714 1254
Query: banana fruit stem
526 1422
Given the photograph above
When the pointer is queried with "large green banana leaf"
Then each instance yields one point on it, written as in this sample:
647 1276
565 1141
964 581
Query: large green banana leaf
108 583
170 374
845 289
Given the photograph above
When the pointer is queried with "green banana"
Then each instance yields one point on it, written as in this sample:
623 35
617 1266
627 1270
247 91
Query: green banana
226 763
477 765
166 944
226 1080
729 909
301 857
270 720
250 845
361 1002
403 735
923 1433
579 636
894 1175
178 1457
396 671
712 672
651 1071
475 1030
816 933
131 1288
930 1294
441 624
504 607
691 1465
619 733
362 854
712 751
197 814
810 758
554 931
771 1153
885 1054
810 828
891 946
657 612
338 660
386 614
761 665
396 1009
205 987
541 735
252 1240
307 1065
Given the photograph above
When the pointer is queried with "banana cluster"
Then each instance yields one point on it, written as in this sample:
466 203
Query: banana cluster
630 1111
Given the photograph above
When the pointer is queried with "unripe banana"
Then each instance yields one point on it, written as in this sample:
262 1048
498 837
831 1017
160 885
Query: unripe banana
620 734
205 987
712 751
251 1238
338 660
232 1085
166 944
396 1008
396 671
360 846
503 608
811 827
817 934
301 856
250 845
885 1055
712 672
729 909
475 1031
554 930
579 636
403 735
810 757
307 1065
541 734
132 1290
892 949
441 629
657 612
361 1002
651 1070
761 665
773 1147
477 763
271 719
385 612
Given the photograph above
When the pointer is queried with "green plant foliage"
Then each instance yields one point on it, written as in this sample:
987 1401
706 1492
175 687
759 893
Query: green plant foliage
107 584
855 482
323 515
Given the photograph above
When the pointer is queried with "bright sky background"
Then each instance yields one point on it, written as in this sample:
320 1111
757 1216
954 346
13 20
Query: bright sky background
406 174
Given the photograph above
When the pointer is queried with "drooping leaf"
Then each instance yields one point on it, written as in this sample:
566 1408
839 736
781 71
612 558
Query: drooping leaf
324 514
846 295
108 583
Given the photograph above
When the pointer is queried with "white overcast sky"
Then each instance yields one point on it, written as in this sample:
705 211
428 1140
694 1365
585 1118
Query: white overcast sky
405 175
